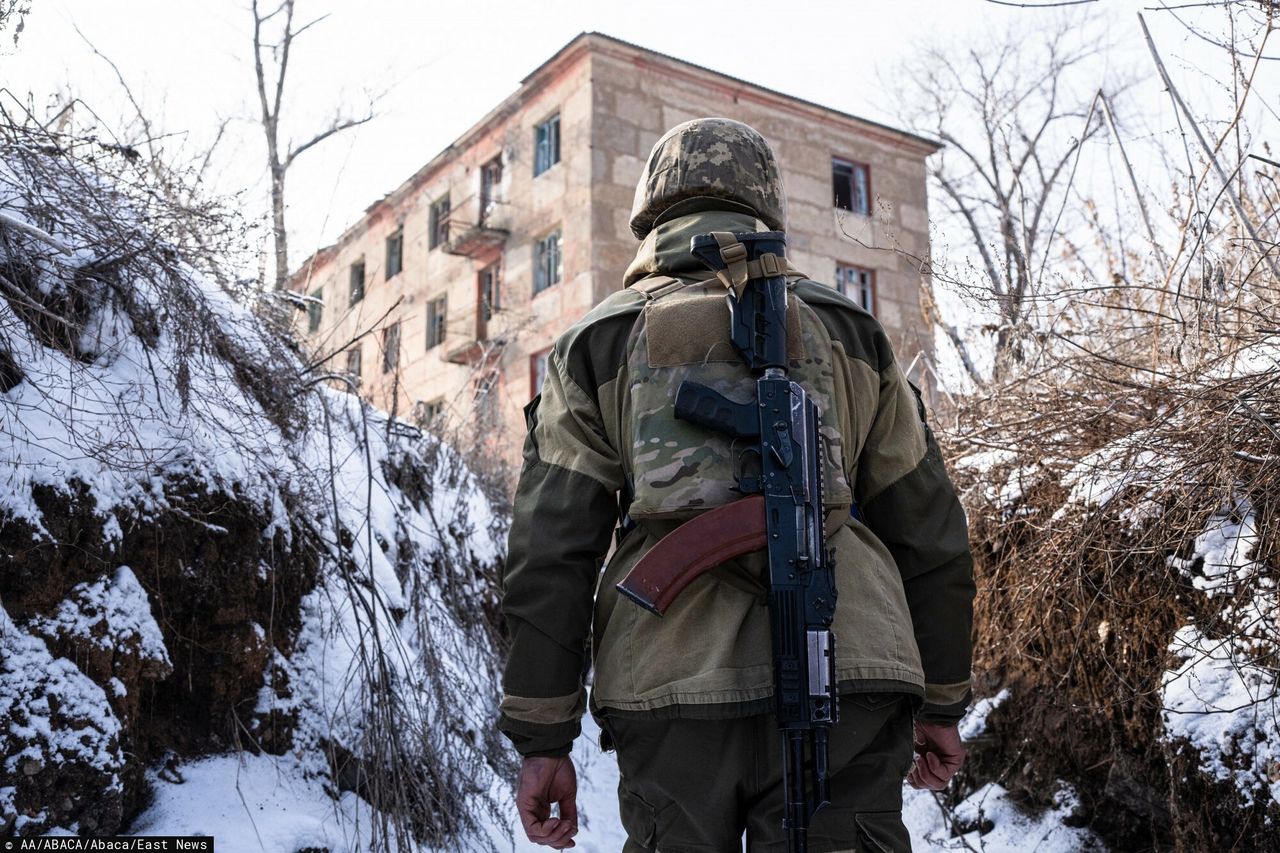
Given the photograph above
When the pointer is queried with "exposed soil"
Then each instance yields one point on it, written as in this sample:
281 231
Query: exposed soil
223 596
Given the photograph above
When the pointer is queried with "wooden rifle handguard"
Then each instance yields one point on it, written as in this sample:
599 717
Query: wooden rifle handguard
694 548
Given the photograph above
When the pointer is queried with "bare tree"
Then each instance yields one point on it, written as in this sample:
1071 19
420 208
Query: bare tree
14 12
280 156
1012 123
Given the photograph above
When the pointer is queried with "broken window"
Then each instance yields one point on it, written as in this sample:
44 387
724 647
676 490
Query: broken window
353 364
490 185
395 252
852 185
546 145
546 262
486 410
859 284
357 282
315 309
429 412
490 284
391 347
436 310
439 222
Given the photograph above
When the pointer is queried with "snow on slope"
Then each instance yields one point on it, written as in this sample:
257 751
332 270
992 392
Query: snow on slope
129 381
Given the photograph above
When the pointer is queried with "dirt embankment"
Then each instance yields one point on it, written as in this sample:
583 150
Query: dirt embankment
224 599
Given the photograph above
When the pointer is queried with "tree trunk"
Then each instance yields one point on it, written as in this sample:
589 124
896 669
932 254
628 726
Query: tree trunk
281 237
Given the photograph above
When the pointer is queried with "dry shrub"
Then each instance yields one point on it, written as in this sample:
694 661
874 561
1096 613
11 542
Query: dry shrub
333 535
1148 413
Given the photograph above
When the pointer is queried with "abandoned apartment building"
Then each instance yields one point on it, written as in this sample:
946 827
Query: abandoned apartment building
463 276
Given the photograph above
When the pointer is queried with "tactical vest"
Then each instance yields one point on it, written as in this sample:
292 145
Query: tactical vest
680 469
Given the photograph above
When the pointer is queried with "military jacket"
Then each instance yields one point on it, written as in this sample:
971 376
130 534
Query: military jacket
903 567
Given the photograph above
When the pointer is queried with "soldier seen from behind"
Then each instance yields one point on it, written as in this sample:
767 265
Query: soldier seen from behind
687 699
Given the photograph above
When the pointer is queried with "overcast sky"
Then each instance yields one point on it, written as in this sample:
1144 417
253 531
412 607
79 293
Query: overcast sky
441 66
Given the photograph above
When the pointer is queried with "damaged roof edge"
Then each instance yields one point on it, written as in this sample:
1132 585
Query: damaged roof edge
565 56
924 141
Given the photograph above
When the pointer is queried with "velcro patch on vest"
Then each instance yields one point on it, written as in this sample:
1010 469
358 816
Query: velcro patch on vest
692 327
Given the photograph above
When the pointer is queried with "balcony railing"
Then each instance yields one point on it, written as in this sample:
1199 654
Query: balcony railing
474 351
476 227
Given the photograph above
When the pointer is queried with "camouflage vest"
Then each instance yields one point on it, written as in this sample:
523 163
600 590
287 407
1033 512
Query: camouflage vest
679 469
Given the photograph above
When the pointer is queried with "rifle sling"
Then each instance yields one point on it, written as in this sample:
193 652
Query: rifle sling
694 548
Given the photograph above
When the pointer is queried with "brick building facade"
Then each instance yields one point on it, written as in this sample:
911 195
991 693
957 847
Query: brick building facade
462 277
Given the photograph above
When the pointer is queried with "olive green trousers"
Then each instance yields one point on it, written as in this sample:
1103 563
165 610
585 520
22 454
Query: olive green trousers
691 785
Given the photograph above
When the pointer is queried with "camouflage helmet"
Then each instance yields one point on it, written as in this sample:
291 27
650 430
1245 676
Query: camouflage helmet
710 157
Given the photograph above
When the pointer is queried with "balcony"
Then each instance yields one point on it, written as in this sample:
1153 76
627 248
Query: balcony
475 229
474 350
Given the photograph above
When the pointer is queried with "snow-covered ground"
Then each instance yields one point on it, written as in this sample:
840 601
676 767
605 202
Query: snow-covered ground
251 803
266 803
929 824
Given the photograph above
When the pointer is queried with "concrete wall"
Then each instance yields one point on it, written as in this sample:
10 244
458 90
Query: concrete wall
530 208
614 102
638 97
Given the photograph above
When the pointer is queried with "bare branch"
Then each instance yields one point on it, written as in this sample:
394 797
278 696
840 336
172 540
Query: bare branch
338 127
1041 5
1245 222
279 159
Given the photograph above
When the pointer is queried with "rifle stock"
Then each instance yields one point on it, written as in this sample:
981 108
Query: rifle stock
693 549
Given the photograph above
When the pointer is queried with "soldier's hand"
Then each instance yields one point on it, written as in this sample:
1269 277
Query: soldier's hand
543 782
939 754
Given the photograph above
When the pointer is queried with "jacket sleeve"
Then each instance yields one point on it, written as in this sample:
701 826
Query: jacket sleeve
564 513
906 499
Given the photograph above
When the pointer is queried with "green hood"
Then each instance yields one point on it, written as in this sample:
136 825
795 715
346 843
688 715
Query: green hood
665 251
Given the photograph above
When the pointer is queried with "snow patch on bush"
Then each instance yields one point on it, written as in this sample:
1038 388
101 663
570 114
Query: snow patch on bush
1222 554
989 820
1103 475
974 723
1225 705
1222 696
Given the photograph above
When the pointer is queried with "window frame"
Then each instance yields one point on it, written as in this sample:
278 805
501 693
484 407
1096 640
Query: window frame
872 290
431 411
487 307
391 356
490 188
854 165
355 354
352 297
437 321
438 222
395 238
553 275
552 125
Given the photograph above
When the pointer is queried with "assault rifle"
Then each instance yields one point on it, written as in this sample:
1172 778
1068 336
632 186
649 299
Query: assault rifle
783 513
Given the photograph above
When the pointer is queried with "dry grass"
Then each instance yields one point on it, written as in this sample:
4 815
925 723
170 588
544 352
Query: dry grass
1143 410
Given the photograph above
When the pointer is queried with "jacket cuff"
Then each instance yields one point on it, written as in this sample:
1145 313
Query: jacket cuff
945 703
540 739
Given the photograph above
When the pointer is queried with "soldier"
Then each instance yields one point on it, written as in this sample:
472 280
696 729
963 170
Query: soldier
685 699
